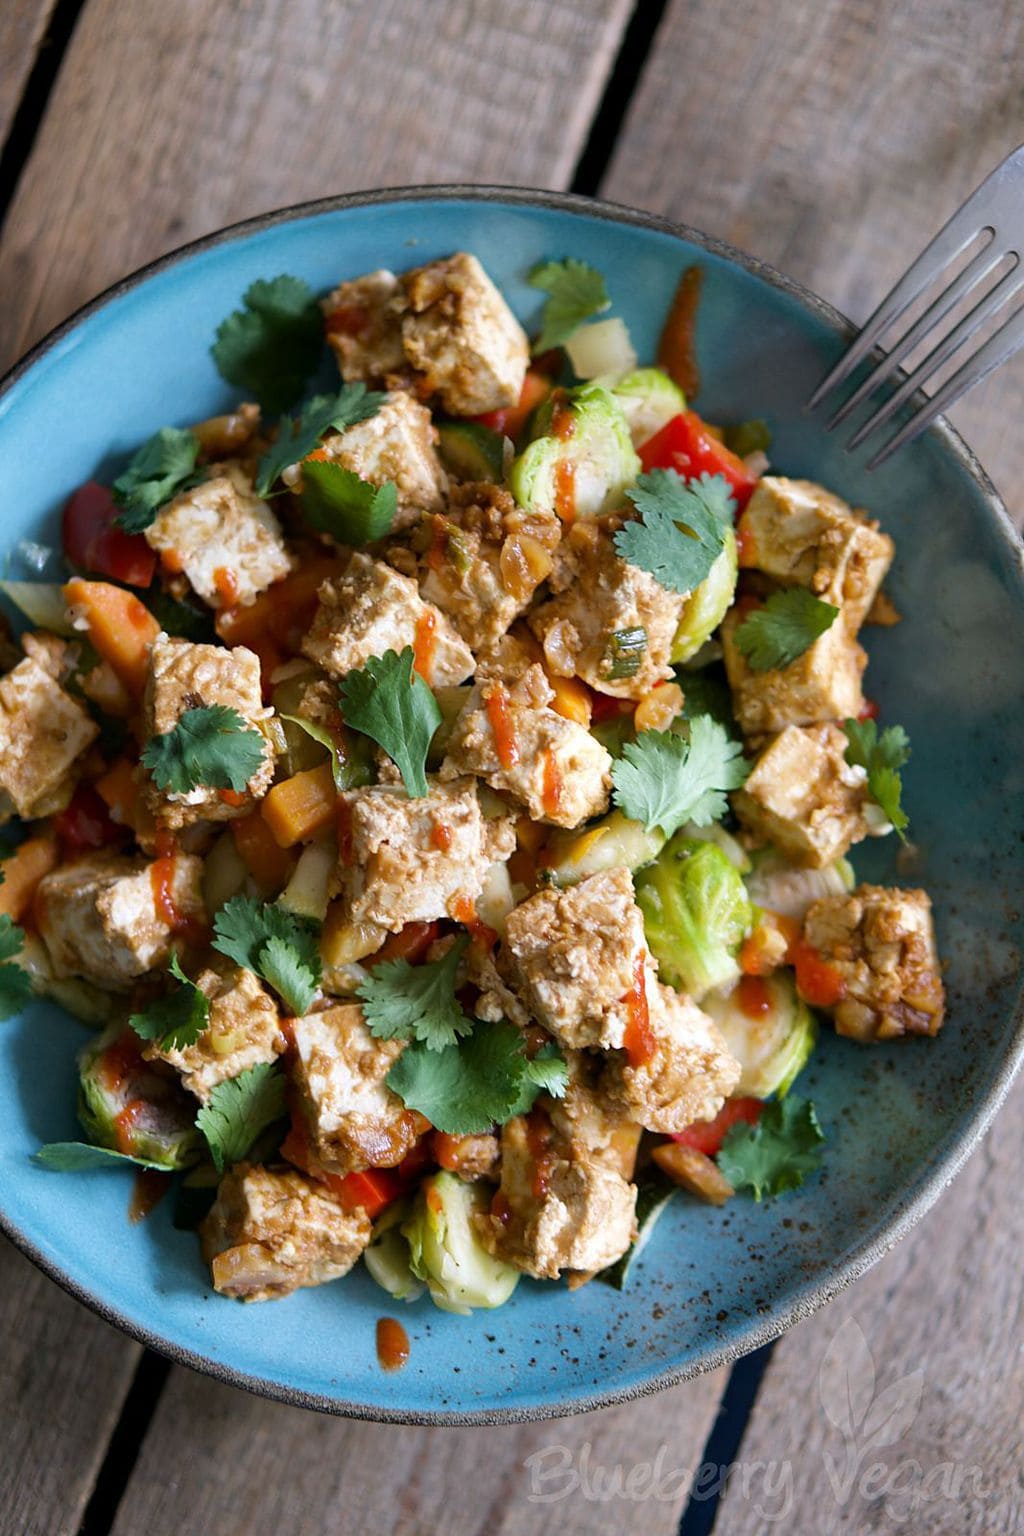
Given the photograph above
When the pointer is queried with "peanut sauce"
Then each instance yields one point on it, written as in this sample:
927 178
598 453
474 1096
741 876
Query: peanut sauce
500 1208
501 725
638 1041
148 1190
552 787
538 1140
439 544
344 824
392 1344
425 645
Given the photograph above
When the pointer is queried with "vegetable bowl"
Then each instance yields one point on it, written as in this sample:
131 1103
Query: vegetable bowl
898 1116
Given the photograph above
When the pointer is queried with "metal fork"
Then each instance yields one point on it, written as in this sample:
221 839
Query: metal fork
995 209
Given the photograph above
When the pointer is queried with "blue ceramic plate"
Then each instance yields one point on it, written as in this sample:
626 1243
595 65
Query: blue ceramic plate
900 1119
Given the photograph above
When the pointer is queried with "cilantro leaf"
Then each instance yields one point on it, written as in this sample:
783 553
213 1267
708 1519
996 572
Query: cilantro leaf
663 779
681 531
546 1072
210 746
775 1154
469 1086
15 982
78 1156
337 501
272 344
163 466
177 1020
239 1110
783 628
416 1002
391 704
272 943
882 757
575 291
296 439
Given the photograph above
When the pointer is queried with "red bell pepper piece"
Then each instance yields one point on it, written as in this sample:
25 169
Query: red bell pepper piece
511 421
685 445
373 1190
92 542
86 823
707 1135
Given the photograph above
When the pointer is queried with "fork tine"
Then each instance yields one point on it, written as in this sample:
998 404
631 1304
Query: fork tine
975 272
953 238
1006 341
994 300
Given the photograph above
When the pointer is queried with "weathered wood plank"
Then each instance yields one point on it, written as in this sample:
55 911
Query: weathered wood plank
170 121
389 1480
22 25
63 1378
832 138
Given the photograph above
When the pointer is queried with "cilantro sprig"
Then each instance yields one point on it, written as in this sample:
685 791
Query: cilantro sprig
416 1002
389 702
164 466
80 1156
337 501
296 439
664 780
241 1109
15 982
272 344
274 944
177 1020
882 757
575 291
783 628
681 529
778 1152
480 1081
211 746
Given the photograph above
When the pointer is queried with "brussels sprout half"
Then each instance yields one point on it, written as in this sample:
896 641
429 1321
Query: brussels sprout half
387 1256
588 458
708 604
773 1046
649 400
611 843
444 1249
779 886
696 913
130 1106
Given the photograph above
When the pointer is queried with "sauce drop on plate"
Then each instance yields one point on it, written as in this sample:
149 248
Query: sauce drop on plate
148 1190
392 1344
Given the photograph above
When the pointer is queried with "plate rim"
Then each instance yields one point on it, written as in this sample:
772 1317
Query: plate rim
910 1208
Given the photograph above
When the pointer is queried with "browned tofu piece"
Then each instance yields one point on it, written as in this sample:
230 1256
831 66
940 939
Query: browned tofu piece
803 796
687 1075
244 1030
558 1207
353 1118
272 1231
364 326
185 676
110 919
395 446
878 945
43 733
462 338
805 536
482 560
572 955
822 684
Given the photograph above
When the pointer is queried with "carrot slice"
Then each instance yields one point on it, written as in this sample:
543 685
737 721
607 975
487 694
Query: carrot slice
120 627
23 870
300 807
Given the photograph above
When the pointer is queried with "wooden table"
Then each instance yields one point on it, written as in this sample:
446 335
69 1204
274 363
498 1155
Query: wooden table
828 136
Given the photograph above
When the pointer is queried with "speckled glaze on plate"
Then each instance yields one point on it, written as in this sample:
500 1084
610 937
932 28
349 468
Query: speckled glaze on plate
900 1119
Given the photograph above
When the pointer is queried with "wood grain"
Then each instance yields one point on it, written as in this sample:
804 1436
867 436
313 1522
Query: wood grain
172 120
249 1468
63 1378
22 25
832 138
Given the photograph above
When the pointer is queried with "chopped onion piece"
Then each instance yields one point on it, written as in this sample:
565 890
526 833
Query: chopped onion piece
601 348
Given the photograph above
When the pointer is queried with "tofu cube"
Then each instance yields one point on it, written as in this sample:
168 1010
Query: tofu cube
43 732
353 1119
271 1232
572 956
371 609
185 676
462 338
822 684
561 1209
803 796
804 536
876 965
484 560
223 538
601 596
244 1030
397 444
363 318
688 1075
510 737
406 861
111 918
